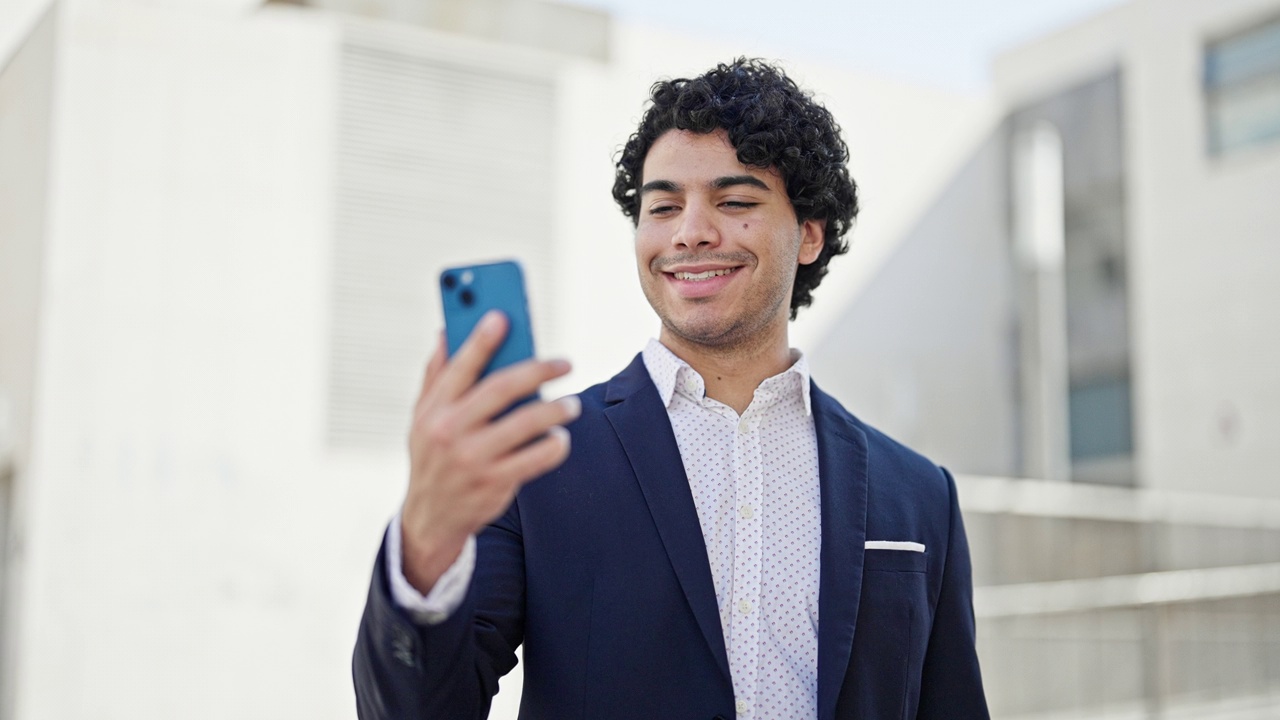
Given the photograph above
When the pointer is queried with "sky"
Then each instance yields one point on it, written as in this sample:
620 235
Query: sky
947 44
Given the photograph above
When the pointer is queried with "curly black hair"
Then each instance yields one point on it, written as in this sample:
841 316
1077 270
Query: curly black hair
771 123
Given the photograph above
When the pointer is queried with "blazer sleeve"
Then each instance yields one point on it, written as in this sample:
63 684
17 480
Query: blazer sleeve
951 684
405 670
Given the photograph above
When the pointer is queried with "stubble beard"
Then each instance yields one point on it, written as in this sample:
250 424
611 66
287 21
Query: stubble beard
736 332
728 334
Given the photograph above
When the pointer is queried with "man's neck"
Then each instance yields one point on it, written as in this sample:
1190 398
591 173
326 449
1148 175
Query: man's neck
731 375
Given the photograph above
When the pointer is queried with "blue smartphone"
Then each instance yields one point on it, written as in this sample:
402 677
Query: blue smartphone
468 292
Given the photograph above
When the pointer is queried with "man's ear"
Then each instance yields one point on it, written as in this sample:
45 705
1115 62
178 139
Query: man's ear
812 236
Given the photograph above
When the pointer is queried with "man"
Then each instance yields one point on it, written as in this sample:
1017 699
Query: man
724 540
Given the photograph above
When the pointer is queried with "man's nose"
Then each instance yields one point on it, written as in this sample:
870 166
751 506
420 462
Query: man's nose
697 229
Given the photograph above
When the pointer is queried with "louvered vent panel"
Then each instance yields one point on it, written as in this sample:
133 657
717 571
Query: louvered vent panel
439 163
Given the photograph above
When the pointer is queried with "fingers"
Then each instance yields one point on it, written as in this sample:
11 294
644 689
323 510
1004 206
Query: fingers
509 452
447 380
473 474
462 370
500 390
510 433
434 367
535 459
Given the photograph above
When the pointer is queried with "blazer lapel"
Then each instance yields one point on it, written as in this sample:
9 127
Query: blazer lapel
644 429
842 472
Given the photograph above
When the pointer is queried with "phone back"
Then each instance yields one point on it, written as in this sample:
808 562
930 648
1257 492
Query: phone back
467 293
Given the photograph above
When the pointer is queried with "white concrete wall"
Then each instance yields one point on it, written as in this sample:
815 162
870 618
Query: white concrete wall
192 553
1202 239
25 112
1205 250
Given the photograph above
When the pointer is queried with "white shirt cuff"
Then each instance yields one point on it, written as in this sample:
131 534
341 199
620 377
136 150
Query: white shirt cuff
447 594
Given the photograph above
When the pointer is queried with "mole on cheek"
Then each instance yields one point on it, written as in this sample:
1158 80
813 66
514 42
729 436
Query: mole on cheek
744 226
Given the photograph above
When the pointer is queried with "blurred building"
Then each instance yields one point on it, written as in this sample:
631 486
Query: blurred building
220 227
1090 303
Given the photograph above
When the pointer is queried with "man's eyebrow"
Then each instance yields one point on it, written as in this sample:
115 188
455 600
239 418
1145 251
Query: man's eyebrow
727 181
659 186
720 183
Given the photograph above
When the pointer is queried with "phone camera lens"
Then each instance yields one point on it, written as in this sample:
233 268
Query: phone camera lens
449 282
467 297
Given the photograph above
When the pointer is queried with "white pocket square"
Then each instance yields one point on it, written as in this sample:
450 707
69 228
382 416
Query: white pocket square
895 545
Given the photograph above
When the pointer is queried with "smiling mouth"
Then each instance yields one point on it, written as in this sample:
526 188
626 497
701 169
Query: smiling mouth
704 275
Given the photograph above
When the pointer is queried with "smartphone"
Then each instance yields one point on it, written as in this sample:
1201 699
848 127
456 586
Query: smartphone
468 292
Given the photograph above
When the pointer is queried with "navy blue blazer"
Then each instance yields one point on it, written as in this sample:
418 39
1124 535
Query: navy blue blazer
599 569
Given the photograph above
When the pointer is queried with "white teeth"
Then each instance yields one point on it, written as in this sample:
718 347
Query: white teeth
705 275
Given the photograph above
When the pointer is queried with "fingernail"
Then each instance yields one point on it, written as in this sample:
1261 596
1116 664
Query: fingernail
559 432
560 366
491 321
571 404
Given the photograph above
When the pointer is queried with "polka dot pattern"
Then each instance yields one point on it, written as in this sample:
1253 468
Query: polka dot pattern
754 479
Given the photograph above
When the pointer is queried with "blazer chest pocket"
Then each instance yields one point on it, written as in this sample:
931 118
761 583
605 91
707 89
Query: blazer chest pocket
895 560
892 631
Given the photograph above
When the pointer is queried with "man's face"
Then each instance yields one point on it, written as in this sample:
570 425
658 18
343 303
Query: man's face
717 242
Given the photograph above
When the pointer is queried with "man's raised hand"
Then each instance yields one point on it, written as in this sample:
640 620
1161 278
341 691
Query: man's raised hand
465 466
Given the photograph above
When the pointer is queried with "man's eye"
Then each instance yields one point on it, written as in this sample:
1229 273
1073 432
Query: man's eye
662 209
739 204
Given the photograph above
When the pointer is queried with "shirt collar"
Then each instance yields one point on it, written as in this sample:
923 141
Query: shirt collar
669 374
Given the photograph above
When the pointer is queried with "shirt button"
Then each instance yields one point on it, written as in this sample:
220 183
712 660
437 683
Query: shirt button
748 512
744 427
744 607
741 706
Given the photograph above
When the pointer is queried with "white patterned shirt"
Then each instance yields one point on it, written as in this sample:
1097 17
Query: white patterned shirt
754 480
